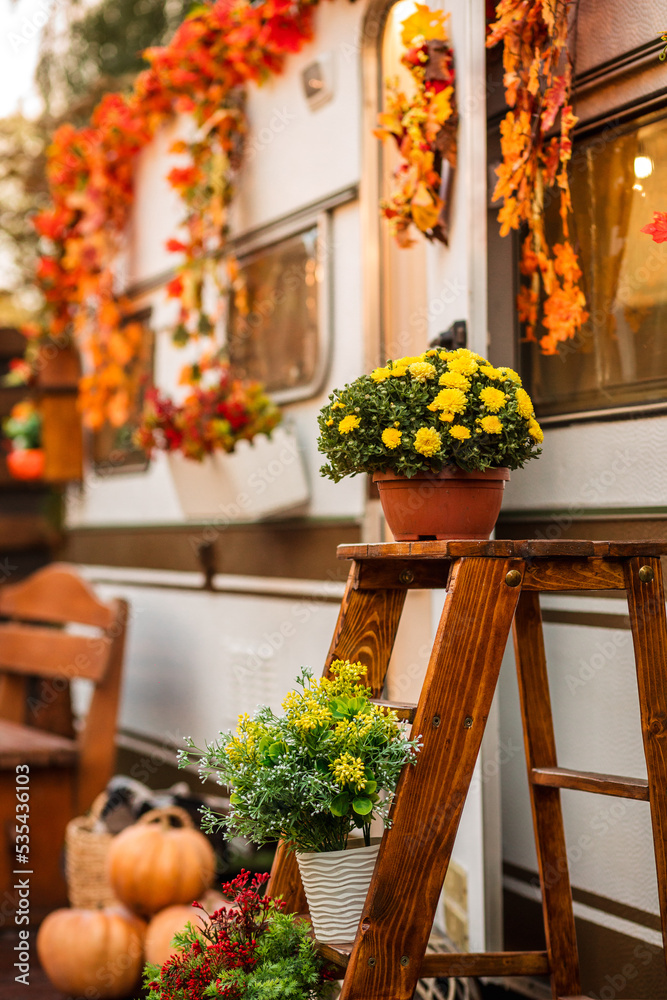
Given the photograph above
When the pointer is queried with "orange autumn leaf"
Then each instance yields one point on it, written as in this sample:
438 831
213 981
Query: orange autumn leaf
118 408
120 349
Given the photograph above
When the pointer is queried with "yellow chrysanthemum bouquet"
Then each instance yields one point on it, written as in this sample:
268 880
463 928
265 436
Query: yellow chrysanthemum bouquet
329 765
420 414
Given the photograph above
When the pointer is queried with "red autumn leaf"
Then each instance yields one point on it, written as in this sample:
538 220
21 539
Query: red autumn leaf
658 228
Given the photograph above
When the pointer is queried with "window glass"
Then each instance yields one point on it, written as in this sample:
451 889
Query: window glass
620 356
274 314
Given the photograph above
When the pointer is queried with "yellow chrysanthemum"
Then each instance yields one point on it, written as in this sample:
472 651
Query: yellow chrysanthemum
449 400
492 398
446 417
398 372
349 770
510 373
421 370
446 355
459 432
348 424
380 374
464 362
524 404
330 422
406 362
391 437
427 441
535 431
432 353
338 405
455 380
491 372
491 425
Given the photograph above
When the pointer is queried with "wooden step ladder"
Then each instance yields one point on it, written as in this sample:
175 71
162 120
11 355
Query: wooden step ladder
489 585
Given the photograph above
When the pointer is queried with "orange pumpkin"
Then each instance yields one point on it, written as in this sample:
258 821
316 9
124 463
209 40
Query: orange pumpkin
165 924
26 463
92 952
153 865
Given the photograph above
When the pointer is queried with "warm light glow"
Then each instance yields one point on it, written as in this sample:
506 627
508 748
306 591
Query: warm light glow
643 166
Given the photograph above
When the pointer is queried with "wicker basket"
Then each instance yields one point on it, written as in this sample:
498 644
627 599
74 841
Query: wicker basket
86 851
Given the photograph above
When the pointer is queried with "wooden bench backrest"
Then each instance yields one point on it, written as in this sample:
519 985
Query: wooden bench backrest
30 647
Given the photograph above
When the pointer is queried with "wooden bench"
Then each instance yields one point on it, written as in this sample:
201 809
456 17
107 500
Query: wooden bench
61 762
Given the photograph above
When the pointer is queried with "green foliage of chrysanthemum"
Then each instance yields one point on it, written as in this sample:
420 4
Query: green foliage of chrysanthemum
420 414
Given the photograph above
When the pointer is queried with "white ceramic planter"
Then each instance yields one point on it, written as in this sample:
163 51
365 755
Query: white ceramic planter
336 884
258 479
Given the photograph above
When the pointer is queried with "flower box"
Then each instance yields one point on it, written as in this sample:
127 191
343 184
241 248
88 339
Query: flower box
259 479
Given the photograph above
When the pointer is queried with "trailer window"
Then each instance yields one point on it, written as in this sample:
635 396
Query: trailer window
274 327
620 358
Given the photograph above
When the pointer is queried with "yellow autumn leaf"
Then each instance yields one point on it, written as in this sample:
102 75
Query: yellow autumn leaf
425 22
442 105
425 217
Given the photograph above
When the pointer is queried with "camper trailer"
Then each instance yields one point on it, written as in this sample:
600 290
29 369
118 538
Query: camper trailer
229 600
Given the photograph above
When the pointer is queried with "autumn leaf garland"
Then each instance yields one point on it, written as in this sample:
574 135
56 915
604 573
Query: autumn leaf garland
536 144
424 128
216 52
219 48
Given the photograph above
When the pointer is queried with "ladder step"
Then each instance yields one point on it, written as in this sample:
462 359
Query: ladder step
404 710
506 963
589 781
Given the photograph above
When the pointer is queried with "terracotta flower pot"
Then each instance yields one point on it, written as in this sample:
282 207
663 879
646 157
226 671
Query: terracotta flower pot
448 504
26 463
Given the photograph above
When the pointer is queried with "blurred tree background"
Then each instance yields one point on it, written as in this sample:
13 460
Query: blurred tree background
85 52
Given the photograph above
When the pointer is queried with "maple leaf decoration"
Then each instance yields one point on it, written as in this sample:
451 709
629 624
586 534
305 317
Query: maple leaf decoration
538 85
219 48
658 228
424 127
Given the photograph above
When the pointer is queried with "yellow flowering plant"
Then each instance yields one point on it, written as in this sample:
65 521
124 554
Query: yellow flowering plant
328 765
419 414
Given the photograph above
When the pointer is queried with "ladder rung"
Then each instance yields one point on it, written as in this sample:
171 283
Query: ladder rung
404 710
589 781
508 963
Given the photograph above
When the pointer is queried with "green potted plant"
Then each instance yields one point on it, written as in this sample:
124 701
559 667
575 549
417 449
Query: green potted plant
439 432
248 950
23 429
327 767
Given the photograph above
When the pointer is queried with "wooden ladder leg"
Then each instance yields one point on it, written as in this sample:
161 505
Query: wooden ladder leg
365 631
451 717
540 746
646 604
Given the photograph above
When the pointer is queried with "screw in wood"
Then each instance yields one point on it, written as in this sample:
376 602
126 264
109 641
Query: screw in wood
406 576
436 721
467 722
646 574
372 961
513 578
405 960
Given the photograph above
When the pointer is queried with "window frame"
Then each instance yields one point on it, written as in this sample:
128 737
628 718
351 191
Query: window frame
625 120
250 245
